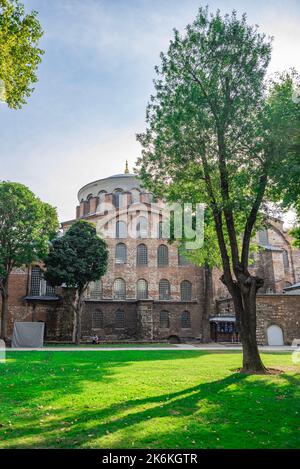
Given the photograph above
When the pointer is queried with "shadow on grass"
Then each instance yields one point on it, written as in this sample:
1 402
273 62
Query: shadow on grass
235 411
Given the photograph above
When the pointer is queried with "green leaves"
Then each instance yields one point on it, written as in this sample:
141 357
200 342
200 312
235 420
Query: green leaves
78 257
19 52
26 225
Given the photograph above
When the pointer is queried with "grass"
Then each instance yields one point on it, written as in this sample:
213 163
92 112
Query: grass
114 345
146 399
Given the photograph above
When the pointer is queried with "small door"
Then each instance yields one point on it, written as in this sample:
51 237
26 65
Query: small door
275 335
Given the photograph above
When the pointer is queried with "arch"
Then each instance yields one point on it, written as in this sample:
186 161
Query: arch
164 319
119 289
142 227
135 195
182 260
164 289
101 200
97 319
120 319
95 290
186 290
121 229
162 255
186 320
285 259
275 335
117 197
142 254
121 253
142 289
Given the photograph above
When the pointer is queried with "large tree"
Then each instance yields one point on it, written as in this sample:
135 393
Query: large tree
26 226
212 131
19 52
76 259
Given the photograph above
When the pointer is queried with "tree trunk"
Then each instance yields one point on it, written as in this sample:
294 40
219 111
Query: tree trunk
78 307
207 304
247 323
4 311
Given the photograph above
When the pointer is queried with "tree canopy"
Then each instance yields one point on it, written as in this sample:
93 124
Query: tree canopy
216 134
26 226
19 52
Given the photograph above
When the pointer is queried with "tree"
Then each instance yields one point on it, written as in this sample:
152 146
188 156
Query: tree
19 52
26 225
76 259
211 130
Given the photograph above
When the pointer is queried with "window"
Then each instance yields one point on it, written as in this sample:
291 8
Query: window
185 320
96 290
38 285
135 194
162 256
164 289
160 230
101 201
121 229
142 254
120 319
117 198
182 260
186 290
121 253
119 290
97 319
142 227
142 289
164 320
263 237
285 258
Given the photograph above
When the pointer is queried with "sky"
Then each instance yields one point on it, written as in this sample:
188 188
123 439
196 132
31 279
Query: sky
95 80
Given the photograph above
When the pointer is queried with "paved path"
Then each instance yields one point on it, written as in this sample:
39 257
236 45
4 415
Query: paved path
216 347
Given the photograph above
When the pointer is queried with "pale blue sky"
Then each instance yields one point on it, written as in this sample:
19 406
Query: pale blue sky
94 83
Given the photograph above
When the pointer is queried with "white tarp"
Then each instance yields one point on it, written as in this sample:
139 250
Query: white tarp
28 334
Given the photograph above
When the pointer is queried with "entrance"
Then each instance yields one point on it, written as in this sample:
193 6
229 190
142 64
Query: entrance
222 330
275 335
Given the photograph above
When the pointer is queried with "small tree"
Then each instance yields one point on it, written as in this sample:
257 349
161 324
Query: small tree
76 259
215 129
26 225
19 52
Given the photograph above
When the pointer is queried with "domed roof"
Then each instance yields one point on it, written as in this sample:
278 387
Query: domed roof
125 182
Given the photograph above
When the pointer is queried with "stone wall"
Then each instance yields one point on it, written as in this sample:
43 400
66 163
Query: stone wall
274 309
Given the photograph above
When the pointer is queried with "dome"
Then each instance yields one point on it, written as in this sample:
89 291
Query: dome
125 182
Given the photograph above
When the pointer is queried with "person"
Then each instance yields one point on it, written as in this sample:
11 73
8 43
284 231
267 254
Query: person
95 339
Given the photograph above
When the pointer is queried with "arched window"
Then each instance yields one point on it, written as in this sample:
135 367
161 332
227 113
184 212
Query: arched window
263 237
162 256
186 290
97 319
182 260
185 320
121 253
285 258
120 319
164 289
96 290
135 195
117 198
101 201
119 290
164 320
121 229
142 289
142 227
142 254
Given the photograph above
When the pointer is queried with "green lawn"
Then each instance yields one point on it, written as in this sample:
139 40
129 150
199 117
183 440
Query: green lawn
140 399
